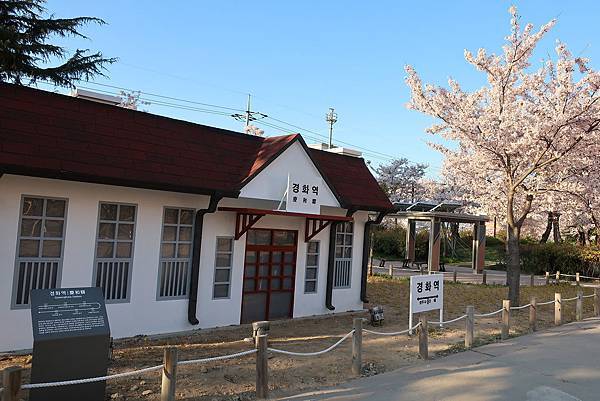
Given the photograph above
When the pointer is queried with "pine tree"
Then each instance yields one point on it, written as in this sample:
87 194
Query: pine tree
26 55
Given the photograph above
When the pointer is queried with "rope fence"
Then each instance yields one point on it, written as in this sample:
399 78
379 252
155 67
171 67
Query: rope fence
448 321
12 375
326 350
396 333
488 314
520 307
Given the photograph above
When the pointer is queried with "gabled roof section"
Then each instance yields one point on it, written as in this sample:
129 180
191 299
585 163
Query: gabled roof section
352 179
45 134
270 148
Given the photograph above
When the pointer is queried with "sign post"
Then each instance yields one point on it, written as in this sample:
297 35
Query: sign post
71 340
426 293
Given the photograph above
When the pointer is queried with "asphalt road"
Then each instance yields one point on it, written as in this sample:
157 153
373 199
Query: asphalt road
560 364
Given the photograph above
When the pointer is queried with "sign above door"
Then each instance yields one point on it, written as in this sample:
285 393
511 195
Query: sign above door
303 194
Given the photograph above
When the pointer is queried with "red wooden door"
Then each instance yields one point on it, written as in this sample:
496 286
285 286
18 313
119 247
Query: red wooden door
269 275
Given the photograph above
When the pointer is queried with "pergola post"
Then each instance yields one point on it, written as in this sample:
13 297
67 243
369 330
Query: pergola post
434 245
411 232
478 256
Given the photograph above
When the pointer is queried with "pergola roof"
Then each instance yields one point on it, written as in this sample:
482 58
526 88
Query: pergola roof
441 211
424 206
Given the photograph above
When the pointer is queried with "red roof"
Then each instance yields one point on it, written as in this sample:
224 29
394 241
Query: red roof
55 136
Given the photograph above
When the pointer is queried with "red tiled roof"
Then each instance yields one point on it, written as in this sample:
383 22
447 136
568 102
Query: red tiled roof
351 178
55 136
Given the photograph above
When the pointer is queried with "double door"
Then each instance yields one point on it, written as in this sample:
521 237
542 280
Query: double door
269 275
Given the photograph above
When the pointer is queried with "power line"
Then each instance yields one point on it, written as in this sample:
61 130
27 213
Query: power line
277 104
317 136
166 97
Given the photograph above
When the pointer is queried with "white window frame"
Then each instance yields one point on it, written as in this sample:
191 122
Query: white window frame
340 280
230 268
177 241
316 267
40 258
115 242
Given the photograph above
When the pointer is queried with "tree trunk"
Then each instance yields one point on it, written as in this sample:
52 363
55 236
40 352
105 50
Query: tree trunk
556 230
546 233
454 236
581 236
513 263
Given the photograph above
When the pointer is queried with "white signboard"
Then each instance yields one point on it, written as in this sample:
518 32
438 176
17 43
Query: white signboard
426 293
303 195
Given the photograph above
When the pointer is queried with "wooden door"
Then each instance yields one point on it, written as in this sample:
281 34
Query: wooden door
269 275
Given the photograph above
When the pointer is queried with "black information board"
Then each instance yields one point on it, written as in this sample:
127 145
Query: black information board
71 339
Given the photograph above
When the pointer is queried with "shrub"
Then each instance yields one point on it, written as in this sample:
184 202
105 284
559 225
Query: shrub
389 243
564 257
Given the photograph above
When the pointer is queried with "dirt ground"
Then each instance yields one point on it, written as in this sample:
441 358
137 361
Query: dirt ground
234 379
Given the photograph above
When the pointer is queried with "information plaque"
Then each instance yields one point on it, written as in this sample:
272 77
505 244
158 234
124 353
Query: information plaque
71 340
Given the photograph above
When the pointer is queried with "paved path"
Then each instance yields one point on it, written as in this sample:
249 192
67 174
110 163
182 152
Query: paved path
561 364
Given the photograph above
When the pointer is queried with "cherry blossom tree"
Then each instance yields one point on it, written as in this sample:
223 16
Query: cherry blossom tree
132 100
516 136
401 180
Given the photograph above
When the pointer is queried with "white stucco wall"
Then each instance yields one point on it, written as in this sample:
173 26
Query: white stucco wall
143 314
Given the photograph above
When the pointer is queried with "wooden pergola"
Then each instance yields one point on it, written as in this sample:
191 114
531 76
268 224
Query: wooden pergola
436 214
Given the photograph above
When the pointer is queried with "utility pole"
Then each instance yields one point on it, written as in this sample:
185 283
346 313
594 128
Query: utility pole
248 116
331 118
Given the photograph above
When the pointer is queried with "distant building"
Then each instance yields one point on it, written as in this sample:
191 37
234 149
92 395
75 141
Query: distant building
183 226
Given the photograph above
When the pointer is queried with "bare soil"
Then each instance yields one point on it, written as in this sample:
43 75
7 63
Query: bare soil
234 379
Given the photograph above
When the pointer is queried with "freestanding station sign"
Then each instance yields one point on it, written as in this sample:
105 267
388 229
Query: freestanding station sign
71 340
426 293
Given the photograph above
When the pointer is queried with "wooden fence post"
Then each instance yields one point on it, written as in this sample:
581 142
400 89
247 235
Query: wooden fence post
357 346
454 276
423 340
11 382
169 375
532 280
505 319
577 278
469 327
579 306
547 278
597 302
557 309
533 315
557 276
484 278
262 367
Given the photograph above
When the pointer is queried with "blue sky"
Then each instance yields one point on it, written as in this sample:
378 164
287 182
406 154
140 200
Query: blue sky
300 58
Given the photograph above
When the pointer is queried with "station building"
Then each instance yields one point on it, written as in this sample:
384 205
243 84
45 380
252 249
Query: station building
183 226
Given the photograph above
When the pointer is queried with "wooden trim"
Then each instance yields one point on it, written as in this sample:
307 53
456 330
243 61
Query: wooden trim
244 222
264 212
313 227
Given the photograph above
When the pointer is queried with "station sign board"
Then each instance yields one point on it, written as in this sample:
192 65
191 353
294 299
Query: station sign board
303 194
426 294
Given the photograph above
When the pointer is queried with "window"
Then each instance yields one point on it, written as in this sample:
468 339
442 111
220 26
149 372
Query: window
39 246
312 267
175 253
223 263
343 255
114 250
